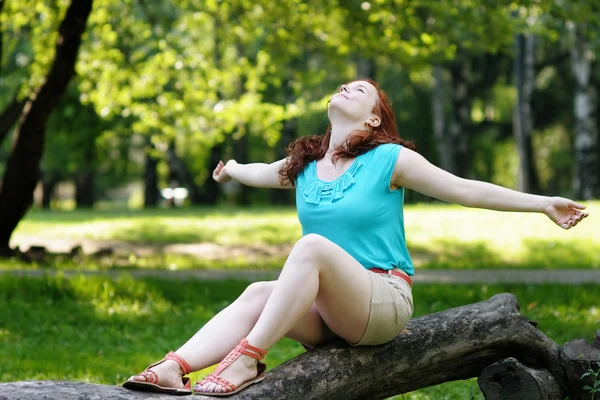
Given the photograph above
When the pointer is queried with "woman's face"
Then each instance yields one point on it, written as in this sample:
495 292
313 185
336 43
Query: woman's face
355 99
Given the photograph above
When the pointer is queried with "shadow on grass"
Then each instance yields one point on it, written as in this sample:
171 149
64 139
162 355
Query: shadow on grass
535 254
102 330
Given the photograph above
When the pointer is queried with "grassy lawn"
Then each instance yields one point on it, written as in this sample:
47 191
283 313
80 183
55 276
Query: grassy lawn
439 236
99 330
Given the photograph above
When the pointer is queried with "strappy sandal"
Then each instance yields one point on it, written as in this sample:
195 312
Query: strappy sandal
242 348
151 383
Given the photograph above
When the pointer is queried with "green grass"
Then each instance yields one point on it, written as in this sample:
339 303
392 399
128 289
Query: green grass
439 236
99 330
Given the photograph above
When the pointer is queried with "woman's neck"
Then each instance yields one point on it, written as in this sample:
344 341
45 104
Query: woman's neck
340 132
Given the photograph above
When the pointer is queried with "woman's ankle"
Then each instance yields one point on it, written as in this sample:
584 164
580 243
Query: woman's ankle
173 365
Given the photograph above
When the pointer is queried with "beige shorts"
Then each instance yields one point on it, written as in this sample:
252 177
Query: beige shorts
391 308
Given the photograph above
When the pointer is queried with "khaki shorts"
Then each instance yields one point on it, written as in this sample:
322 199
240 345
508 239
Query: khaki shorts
391 308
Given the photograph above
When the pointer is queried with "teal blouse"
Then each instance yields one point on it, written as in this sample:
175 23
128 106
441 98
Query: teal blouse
358 211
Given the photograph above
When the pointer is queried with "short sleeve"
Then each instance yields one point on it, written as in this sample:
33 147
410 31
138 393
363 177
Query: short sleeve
382 160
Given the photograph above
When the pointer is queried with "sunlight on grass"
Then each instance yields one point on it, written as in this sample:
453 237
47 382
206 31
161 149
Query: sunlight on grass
58 328
439 236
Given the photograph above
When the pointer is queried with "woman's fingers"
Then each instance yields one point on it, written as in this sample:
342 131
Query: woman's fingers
575 205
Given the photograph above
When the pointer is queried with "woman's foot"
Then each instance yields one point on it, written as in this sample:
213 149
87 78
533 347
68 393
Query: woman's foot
169 374
239 371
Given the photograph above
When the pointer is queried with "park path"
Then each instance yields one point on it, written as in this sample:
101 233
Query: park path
212 251
485 276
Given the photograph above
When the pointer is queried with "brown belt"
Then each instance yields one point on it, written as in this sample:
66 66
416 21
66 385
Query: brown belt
393 272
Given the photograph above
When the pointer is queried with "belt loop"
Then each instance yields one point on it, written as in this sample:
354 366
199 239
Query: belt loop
389 272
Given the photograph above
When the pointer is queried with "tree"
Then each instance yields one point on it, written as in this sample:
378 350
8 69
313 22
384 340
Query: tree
23 166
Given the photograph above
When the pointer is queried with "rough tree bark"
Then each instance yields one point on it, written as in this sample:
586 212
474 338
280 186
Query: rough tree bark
23 166
450 345
524 66
587 146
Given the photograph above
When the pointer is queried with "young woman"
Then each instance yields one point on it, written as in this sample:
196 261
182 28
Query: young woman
349 274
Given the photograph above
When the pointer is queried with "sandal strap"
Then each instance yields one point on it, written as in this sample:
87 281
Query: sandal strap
185 367
221 381
258 354
241 348
148 373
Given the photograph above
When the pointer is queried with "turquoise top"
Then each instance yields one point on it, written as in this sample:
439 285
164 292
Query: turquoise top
358 211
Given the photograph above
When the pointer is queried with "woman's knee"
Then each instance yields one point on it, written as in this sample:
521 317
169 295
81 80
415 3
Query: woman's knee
312 246
258 292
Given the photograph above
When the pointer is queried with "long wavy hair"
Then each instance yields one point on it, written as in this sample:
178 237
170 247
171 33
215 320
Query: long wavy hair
306 149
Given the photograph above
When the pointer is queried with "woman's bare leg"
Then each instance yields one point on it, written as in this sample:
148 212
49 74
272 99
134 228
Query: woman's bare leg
317 271
219 335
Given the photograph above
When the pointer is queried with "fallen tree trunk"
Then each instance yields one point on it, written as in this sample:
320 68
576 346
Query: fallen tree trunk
454 344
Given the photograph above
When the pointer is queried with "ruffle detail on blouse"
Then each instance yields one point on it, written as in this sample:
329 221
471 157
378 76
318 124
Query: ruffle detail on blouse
314 190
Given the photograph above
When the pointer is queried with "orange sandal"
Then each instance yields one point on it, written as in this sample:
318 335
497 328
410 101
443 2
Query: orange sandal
152 378
241 348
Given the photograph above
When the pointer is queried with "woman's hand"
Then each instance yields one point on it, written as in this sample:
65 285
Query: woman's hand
564 212
220 173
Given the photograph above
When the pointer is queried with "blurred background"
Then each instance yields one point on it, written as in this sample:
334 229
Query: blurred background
504 91
114 113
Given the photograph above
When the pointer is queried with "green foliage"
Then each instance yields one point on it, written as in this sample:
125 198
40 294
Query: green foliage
200 73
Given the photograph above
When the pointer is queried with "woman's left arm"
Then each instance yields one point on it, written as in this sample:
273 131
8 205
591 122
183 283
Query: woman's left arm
413 171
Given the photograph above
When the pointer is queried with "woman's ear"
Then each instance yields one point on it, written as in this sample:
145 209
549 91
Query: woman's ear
374 121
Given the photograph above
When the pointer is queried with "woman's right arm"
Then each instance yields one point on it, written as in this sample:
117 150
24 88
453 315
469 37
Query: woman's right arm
256 174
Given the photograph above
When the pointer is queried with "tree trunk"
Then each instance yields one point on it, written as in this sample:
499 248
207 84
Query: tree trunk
23 166
439 117
151 190
240 154
85 193
450 345
523 119
587 151
9 116
453 137
210 188
184 176
288 134
1 36
48 187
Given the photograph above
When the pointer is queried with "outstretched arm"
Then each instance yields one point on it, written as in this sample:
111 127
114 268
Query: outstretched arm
414 172
256 174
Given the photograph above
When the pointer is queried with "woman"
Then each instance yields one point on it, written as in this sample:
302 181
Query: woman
349 274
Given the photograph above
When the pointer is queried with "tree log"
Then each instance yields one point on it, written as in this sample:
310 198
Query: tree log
576 358
450 345
509 379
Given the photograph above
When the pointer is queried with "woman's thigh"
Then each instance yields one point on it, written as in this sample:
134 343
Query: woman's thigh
344 295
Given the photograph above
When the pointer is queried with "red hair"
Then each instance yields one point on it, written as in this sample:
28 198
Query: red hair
306 149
